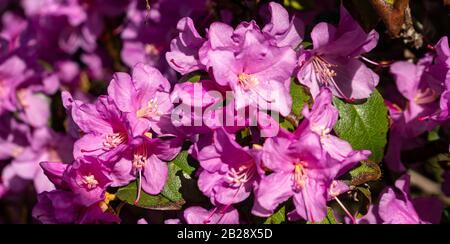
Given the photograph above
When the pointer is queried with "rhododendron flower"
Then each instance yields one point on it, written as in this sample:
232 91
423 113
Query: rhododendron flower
421 90
321 120
147 34
247 61
194 106
144 97
55 173
302 170
26 159
143 161
85 21
183 56
285 31
88 179
334 60
60 207
440 70
107 132
34 108
14 137
221 112
11 75
230 172
397 207
218 215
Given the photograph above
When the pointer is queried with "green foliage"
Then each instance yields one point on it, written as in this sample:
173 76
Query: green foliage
328 220
365 172
300 97
194 77
170 198
278 217
364 125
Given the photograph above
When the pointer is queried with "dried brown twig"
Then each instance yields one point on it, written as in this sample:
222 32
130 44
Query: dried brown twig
398 20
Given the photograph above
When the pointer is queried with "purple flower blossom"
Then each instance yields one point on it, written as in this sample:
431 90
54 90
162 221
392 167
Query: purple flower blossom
83 20
144 98
229 173
222 215
421 91
60 207
88 179
440 70
285 31
11 75
334 60
321 120
397 207
55 173
300 170
192 114
248 62
107 132
143 161
34 108
183 56
26 159
306 163
147 34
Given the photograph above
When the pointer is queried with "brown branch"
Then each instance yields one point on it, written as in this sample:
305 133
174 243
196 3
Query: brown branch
398 20
293 119
393 16
447 2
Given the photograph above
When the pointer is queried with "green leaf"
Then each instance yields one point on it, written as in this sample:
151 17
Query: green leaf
278 217
434 134
362 200
170 198
182 162
300 97
328 220
307 44
194 77
364 125
365 172
244 137
295 4
285 124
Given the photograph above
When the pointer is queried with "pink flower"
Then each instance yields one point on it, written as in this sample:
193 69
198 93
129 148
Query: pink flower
144 98
334 60
199 215
397 207
229 173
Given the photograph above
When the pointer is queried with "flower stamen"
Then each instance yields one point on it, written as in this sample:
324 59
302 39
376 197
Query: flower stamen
425 96
237 177
150 110
114 140
300 176
140 159
89 181
247 81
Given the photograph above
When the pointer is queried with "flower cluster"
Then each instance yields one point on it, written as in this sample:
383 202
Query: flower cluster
102 97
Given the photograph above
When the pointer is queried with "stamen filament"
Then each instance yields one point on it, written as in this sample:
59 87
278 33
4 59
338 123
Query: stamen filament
138 197
345 210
